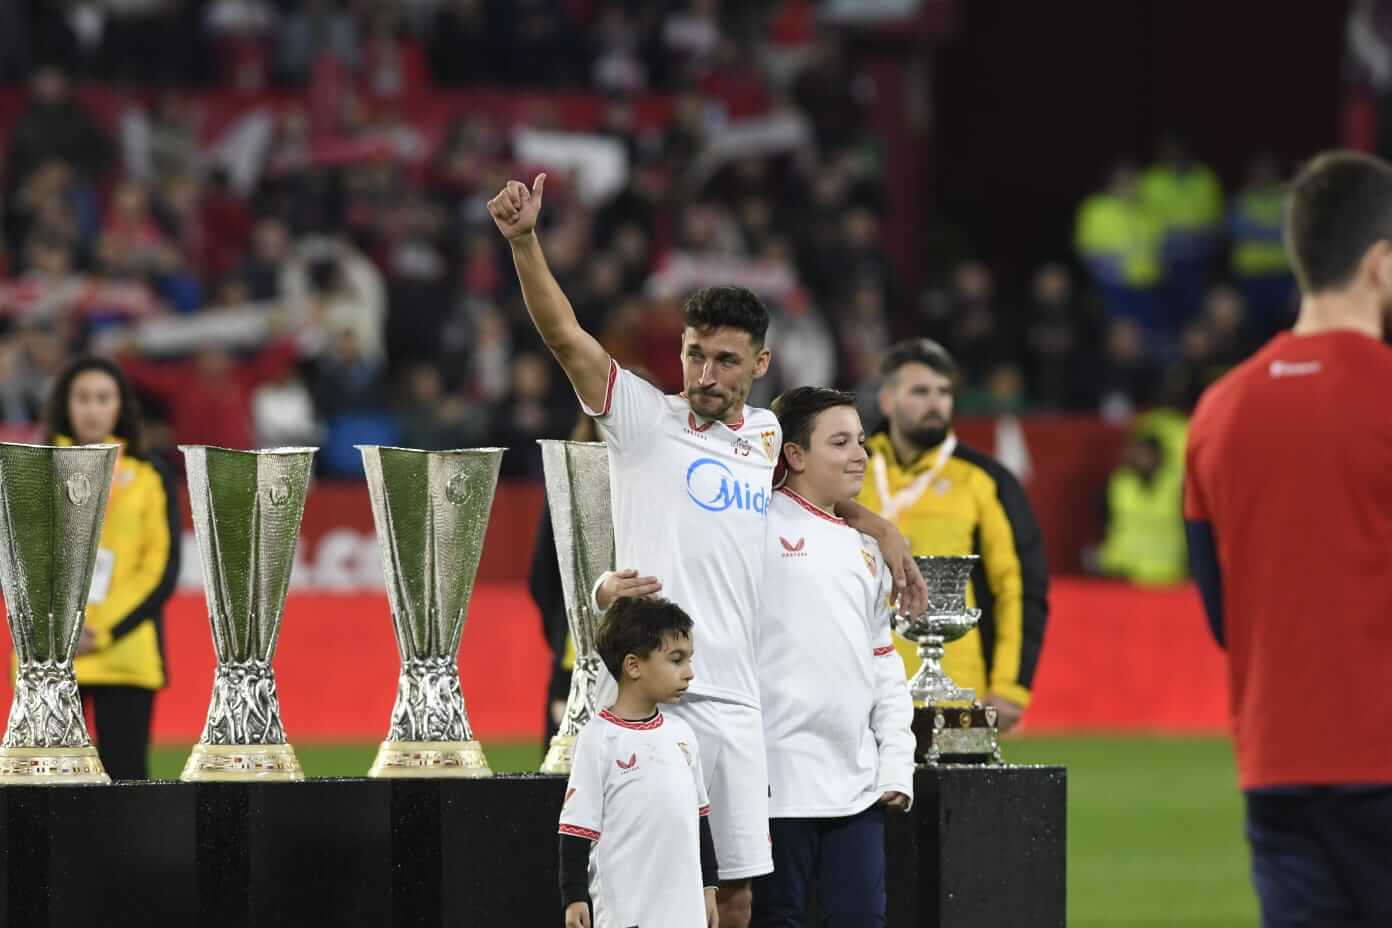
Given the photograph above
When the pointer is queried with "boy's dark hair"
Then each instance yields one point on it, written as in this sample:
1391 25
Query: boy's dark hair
637 627
728 307
129 427
797 410
1340 206
923 351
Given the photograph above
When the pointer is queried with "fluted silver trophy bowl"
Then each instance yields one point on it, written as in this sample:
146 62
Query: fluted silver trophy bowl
52 506
577 493
247 507
430 509
949 725
946 619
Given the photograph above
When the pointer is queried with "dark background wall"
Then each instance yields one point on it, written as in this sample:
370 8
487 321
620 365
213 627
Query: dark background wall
1034 101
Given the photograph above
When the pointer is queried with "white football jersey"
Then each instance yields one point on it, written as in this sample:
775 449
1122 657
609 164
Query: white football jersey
836 704
637 792
690 499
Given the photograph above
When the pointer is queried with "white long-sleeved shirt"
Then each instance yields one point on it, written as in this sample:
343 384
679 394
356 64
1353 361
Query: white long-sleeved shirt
837 710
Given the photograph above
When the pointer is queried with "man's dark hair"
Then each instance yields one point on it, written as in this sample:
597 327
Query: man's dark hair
797 410
728 307
129 427
923 351
1340 206
637 627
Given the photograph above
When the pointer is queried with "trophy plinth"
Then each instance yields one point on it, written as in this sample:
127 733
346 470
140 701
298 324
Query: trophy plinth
429 759
949 725
247 507
239 763
51 767
430 510
430 734
956 735
52 505
577 493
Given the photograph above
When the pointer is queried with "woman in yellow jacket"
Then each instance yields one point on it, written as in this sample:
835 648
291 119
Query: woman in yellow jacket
120 662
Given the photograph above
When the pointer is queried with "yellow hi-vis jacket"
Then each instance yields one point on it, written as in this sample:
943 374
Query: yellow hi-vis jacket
137 569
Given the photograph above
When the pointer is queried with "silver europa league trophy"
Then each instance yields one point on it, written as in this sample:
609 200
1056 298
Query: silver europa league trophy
246 515
950 726
431 511
52 505
577 493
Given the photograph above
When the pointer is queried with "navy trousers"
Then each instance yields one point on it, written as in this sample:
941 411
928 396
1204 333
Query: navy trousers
844 858
1322 856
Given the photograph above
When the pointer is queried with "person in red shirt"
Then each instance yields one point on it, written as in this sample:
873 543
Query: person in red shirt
208 398
1288 504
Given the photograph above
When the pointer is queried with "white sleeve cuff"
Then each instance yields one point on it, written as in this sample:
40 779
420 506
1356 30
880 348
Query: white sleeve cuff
898 788
594 593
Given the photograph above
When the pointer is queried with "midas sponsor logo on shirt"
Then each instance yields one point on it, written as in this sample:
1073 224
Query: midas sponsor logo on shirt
713 486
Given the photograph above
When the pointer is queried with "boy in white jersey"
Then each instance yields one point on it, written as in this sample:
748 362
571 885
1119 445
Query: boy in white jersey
635 840
691 480
837 710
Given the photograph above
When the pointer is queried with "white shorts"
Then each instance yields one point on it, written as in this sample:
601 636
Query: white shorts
731 740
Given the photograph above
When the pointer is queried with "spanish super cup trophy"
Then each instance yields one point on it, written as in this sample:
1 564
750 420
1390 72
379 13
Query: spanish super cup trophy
246 515
949 725
52 504
431 512
577 492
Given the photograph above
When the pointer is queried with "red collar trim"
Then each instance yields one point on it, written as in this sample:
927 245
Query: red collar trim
649 725
732 426
811 507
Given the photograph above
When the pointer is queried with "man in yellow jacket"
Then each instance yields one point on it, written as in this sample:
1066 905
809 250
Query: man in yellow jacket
949 499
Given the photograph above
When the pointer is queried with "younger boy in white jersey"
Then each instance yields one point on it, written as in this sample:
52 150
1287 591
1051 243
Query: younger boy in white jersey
635 841
837 710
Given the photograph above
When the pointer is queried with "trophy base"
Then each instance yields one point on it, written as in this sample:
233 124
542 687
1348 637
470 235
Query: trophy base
956 735
430 760
560 756
242 763
51 767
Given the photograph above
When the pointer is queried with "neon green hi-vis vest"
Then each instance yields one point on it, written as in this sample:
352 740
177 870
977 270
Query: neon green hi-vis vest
1190 200
1145 527
1145 532
1257 249
1120 240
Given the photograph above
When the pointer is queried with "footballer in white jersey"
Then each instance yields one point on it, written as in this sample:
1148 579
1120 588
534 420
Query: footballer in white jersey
838 754
691 478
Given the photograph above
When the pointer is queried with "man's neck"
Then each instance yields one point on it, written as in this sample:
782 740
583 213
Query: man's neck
633 706
1340 312
905 451
802 487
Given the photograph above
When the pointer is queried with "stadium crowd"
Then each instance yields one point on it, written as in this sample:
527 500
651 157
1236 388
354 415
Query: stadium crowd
325 271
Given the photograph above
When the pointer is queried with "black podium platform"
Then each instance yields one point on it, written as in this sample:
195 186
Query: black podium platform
983 846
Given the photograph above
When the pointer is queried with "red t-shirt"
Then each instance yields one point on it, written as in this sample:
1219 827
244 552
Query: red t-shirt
1290 461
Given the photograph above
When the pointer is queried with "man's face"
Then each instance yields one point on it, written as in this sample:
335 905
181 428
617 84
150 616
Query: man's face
719 366
917 400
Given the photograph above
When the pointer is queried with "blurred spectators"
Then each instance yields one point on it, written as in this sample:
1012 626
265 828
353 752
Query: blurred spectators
55 128
690 143
1119 239
1187 200
1259 264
